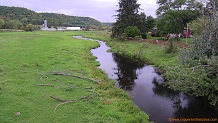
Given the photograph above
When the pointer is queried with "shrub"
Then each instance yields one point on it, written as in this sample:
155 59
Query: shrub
132 31
29 27
170 48
144 36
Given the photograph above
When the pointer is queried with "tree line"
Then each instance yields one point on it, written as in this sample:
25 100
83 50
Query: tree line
21 18
197 73
131 20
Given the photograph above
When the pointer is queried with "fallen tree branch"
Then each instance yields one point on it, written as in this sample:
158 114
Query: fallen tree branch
68 101
62 104
91 89
44 85
42 76
80 77
86 97
58 99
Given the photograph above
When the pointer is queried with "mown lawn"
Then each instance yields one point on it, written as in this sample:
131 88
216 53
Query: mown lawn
30 92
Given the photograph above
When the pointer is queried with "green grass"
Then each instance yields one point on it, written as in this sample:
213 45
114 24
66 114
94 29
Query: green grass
29 58
150 53
189 41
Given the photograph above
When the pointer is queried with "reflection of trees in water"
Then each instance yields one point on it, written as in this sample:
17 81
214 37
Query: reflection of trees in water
185 106
126 71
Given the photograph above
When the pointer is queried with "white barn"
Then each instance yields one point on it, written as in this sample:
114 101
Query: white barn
73 28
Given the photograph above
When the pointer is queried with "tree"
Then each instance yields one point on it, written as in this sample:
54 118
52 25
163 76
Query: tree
141 23
198 25
2 22
150 23
127 16
197 73
174 21
166 5
14 24
176 14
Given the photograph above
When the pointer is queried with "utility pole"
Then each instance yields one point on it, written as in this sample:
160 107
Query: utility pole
187 35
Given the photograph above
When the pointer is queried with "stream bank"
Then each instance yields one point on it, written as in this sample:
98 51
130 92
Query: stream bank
146 89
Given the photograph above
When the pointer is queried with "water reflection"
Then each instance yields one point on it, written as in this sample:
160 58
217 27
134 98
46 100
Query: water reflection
147 90
126 71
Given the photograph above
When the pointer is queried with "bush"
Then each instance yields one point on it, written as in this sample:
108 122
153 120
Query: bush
198 70
144 36
170 48
29 27
132 31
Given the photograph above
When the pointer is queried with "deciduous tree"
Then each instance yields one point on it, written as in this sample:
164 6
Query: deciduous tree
198 70
2 22
176 14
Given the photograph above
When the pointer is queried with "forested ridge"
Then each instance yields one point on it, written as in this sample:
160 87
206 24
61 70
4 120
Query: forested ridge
26 16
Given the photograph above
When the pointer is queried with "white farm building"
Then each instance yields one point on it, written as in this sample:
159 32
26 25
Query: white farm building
73 28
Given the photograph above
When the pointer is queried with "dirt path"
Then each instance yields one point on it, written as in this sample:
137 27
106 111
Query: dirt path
162 42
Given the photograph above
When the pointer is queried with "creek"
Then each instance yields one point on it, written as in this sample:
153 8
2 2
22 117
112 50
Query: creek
146 89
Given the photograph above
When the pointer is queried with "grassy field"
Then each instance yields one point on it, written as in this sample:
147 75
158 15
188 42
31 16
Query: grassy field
39 84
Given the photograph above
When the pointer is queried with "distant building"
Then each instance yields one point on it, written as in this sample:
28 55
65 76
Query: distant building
186 32
73 28
45 24
45 27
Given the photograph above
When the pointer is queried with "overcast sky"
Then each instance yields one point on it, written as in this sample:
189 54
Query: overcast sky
102 10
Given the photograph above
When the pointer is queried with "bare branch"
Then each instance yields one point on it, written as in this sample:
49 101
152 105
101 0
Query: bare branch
68 101
45 85
42 76
80 77
62 104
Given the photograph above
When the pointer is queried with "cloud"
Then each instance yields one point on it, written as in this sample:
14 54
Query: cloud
102 10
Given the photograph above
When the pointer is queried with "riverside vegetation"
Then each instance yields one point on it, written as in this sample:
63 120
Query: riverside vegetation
197 82
52 77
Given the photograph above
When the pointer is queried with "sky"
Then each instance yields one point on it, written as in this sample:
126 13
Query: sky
101 10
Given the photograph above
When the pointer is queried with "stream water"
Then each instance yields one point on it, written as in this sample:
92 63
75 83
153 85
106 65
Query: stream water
147 90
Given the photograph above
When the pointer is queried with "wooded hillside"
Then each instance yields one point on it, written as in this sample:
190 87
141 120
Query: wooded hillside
26 16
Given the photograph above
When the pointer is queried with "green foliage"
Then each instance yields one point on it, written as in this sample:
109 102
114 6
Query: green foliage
132 31
26 17
174 15
198 25
198 70
150 23
141 23
144 35
166 5
13 24
174 21
29 27
2 22
127 16
170 48
198 80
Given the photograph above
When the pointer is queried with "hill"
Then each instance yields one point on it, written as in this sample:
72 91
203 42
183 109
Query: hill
109 24
26 16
